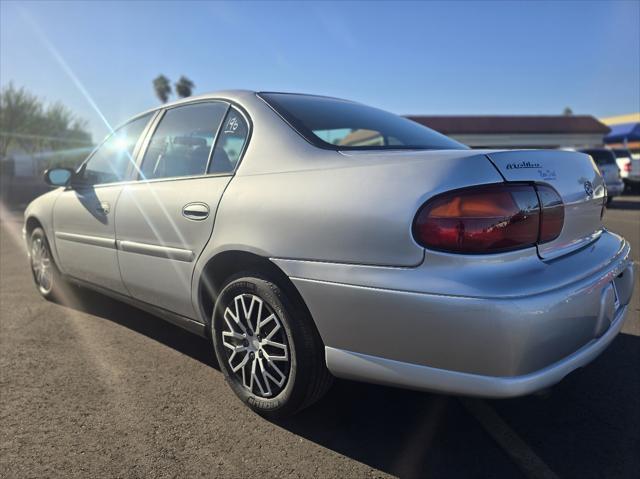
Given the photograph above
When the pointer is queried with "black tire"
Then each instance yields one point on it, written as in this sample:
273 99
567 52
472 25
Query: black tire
609 200
54 289
307 377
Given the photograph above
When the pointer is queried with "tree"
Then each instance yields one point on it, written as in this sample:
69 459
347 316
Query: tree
567 111
50 133
162 87
184 87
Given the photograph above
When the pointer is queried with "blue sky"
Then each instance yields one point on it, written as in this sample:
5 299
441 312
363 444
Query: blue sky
414 57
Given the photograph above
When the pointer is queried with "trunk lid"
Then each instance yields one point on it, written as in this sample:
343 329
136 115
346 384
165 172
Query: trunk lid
575 177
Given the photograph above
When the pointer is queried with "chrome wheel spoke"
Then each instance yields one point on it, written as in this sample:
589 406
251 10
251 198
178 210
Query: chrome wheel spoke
281 376
264 391
263 322
230 318
283 356
265 376
241 364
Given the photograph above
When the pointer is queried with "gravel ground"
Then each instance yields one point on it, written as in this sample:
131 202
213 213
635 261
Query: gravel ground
96 388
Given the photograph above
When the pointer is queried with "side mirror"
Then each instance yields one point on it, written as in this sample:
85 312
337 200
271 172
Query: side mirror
58 176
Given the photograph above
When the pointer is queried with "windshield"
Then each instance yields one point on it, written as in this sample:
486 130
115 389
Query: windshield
343 125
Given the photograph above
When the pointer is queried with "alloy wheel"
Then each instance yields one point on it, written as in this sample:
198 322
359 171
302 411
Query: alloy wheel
41 265
257 349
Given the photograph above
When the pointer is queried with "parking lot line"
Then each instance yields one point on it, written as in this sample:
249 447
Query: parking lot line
523 456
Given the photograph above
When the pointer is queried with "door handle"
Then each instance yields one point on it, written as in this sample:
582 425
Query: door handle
196 211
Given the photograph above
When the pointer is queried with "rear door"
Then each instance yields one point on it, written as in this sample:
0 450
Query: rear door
83 215
164 220
575 177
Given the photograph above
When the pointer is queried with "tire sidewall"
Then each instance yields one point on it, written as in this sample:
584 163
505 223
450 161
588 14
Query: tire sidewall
288 400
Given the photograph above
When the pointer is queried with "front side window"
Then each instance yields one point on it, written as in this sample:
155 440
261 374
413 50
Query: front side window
343 125
230 143
183 140
111 161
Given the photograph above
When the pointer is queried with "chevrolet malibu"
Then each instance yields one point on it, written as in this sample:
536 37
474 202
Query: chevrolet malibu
311 238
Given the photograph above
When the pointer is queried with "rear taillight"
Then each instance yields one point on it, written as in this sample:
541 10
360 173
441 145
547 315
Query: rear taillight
490 219
552 213
627 166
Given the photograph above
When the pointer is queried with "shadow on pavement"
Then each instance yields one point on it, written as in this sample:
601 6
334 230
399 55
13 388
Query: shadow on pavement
588 427
141 322
619 203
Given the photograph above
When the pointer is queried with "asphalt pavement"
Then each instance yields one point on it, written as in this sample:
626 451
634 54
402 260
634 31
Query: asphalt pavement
95 388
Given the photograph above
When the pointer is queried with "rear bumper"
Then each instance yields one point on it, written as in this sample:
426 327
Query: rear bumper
350 365
523 328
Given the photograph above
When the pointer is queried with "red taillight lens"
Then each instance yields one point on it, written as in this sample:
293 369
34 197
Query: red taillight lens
552 211
490 219
627 166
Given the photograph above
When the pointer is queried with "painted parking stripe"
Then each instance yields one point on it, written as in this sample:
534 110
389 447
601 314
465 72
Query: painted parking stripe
524 457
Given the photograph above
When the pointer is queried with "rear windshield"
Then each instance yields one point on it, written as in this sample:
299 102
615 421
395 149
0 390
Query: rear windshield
622 153
602 157
343 125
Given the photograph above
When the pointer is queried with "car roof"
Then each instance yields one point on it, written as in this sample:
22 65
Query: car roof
237 95
232 95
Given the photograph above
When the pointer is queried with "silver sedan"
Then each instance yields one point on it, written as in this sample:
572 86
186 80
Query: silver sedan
311 237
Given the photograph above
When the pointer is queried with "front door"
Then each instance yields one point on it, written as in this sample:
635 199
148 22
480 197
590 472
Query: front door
83 215
164 221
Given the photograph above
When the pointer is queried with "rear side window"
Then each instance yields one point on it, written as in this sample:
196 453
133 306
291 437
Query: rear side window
230 143
111 161
343 125
182 142
602 157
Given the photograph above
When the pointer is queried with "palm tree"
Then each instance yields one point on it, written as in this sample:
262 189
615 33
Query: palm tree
184 87
162 86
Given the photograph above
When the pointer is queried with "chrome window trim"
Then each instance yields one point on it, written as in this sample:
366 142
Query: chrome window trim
178 178
156 180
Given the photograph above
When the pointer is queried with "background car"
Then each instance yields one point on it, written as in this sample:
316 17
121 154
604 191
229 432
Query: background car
606 161
629 168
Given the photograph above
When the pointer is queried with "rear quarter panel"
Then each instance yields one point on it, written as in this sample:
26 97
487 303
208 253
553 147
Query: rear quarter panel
349 209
